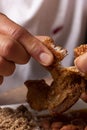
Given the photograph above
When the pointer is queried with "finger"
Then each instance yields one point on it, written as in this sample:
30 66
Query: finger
84 97
12 50
81 63
34 46
1 79
6 68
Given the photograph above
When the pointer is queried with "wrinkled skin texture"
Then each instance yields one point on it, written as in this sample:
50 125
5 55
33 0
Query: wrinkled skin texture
67 86
17 45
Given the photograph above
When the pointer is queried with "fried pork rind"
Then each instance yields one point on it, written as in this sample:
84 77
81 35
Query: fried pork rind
66 88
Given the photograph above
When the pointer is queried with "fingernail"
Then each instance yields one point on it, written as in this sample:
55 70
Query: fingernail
81 63
46 59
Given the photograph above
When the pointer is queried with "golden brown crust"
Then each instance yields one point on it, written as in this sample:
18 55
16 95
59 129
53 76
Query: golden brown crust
66 88
57 51
80 50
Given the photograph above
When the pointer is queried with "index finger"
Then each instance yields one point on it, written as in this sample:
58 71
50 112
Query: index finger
33 46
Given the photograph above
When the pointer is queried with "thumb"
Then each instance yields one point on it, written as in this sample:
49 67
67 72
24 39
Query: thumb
81 63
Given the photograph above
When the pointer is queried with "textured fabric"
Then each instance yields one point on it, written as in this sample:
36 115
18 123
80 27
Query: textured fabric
63 20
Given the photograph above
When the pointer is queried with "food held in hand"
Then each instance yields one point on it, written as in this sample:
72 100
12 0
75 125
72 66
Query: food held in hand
67 86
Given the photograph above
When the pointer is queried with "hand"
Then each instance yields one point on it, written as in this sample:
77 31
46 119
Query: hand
81 64
17 46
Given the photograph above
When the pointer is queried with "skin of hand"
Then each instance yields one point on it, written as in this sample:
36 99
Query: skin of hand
17 45
81 64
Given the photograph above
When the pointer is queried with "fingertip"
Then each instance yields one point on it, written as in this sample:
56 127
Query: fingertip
1 79
81 63
46 59
84 97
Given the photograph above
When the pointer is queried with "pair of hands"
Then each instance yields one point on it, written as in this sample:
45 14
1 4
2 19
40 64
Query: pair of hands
17 46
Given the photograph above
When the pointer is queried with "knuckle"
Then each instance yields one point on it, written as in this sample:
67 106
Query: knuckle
35 48
16 32
7 47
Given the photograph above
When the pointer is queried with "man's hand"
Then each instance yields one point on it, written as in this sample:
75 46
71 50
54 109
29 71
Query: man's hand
81 64
17 46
